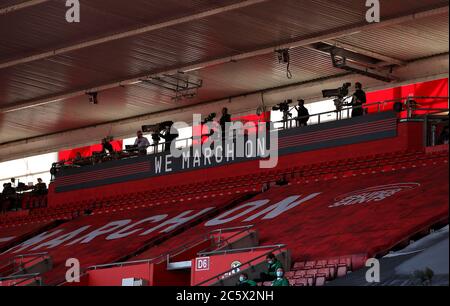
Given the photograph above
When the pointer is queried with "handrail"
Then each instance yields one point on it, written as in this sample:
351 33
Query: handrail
172 253
21 263
19 276
150 260
188 141
31 254
237 250
278 247
230 229
24 277
365 106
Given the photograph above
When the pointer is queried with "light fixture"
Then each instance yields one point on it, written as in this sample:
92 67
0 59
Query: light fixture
93 99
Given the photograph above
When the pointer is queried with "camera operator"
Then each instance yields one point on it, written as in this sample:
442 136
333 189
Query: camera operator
359 98
302 113
167 135
107 146
223 120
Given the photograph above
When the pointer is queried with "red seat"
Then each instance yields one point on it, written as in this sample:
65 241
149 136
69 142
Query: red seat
300 273
320 280
312 272
346 261
301 282
326 272
310 264
289 274
341 270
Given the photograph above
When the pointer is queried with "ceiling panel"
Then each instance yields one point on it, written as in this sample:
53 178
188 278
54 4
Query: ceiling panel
42 28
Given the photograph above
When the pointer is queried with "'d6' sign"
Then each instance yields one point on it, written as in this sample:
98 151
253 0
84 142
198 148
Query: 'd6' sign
202 264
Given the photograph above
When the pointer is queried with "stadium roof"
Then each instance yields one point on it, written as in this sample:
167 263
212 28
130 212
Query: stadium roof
132 53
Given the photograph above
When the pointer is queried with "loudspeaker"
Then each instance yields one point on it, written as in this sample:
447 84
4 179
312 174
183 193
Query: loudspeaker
398 107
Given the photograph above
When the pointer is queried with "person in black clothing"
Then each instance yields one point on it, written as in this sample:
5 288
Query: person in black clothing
282 181
10 196
303 113
107 146
359 98
226 117
40 188
444 137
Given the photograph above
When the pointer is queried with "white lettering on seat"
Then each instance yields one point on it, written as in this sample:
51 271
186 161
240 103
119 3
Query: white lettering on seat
6 239
270 212
176 221
110 227
61 239
123 232
30 242
251 207
277 209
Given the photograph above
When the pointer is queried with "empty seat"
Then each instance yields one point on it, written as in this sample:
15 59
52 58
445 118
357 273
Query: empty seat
301 282
310 264
320 280
341 270
289 274
300 273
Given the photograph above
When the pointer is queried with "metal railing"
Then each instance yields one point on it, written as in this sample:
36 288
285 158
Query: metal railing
177 251
18 262
273 249
23 278
220 243
166 256
345 112
318 118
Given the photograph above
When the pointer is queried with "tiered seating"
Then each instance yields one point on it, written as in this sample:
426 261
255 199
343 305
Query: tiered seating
251 182
236 184
317 273
99 249
318 228
12 234
312 230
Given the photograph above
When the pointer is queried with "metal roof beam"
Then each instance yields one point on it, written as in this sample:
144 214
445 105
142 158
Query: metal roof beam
386 60
20 6
131 33
314 38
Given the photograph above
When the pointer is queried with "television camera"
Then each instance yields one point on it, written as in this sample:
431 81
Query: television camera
156 129
340 94
284 108
209 118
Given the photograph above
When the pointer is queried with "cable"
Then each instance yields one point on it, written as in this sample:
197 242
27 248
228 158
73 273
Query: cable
288 71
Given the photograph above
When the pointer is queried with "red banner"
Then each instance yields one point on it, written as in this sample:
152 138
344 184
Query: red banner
436 88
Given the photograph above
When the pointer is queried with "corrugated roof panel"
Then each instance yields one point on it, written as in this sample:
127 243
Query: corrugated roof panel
407 41
259 26
43 27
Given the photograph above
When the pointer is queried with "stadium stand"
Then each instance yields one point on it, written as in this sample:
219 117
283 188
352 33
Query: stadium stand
365 177
315 230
